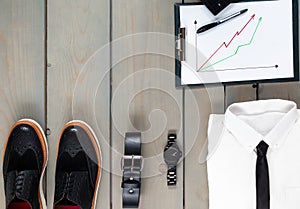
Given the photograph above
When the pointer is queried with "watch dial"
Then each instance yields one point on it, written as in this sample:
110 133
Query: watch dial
172 155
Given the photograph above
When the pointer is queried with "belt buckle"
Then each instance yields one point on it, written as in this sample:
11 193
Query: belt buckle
133 160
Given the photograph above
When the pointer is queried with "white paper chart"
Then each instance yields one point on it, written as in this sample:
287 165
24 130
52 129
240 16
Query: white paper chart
256 45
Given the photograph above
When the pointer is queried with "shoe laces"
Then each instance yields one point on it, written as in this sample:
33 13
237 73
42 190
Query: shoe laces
19 183
69 183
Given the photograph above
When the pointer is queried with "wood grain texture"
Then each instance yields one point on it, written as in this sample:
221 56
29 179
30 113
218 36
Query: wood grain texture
240 93
199 104
144 97
77 30
21 67
288 91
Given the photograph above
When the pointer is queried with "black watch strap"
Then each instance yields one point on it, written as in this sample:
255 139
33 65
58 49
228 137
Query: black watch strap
171 176
132 165
171 139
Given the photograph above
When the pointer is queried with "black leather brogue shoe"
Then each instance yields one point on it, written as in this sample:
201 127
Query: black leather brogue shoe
24 162
78 167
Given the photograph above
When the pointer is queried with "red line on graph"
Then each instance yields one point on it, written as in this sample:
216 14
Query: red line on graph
227 45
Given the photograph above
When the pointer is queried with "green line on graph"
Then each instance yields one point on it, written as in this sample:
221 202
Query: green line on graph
238 48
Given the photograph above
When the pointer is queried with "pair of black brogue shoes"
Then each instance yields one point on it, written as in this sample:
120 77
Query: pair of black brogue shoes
78 166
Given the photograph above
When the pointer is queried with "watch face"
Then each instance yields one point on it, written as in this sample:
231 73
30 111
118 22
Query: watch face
172 155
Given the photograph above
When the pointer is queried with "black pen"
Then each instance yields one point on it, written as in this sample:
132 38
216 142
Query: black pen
214 24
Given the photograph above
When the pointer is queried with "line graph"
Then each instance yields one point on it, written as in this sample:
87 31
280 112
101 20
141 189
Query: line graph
238 48
226 45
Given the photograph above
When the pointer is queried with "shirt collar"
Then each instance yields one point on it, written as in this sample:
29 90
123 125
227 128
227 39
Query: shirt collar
247 136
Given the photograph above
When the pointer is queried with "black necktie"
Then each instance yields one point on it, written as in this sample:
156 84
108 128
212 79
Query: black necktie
262 177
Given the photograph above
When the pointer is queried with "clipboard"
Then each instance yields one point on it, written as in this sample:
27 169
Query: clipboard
260 46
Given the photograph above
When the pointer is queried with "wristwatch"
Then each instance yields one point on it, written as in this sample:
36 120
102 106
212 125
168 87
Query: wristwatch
172 155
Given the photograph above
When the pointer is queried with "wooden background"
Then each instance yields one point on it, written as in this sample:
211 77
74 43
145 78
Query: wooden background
111 64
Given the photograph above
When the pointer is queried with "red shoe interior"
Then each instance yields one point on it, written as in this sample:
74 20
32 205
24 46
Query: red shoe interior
20 205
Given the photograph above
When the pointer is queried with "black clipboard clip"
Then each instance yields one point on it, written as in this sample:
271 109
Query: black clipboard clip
180 45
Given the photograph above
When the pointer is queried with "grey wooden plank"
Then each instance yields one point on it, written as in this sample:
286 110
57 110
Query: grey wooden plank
21 67
78 78
144 97
288 91
239 93
199 104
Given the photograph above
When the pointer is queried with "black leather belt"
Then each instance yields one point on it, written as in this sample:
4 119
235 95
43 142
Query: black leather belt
132 165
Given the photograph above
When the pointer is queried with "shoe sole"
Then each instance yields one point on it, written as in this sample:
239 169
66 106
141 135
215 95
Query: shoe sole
97 149
41 135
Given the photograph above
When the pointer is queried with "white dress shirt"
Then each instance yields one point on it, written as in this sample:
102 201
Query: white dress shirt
232 141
